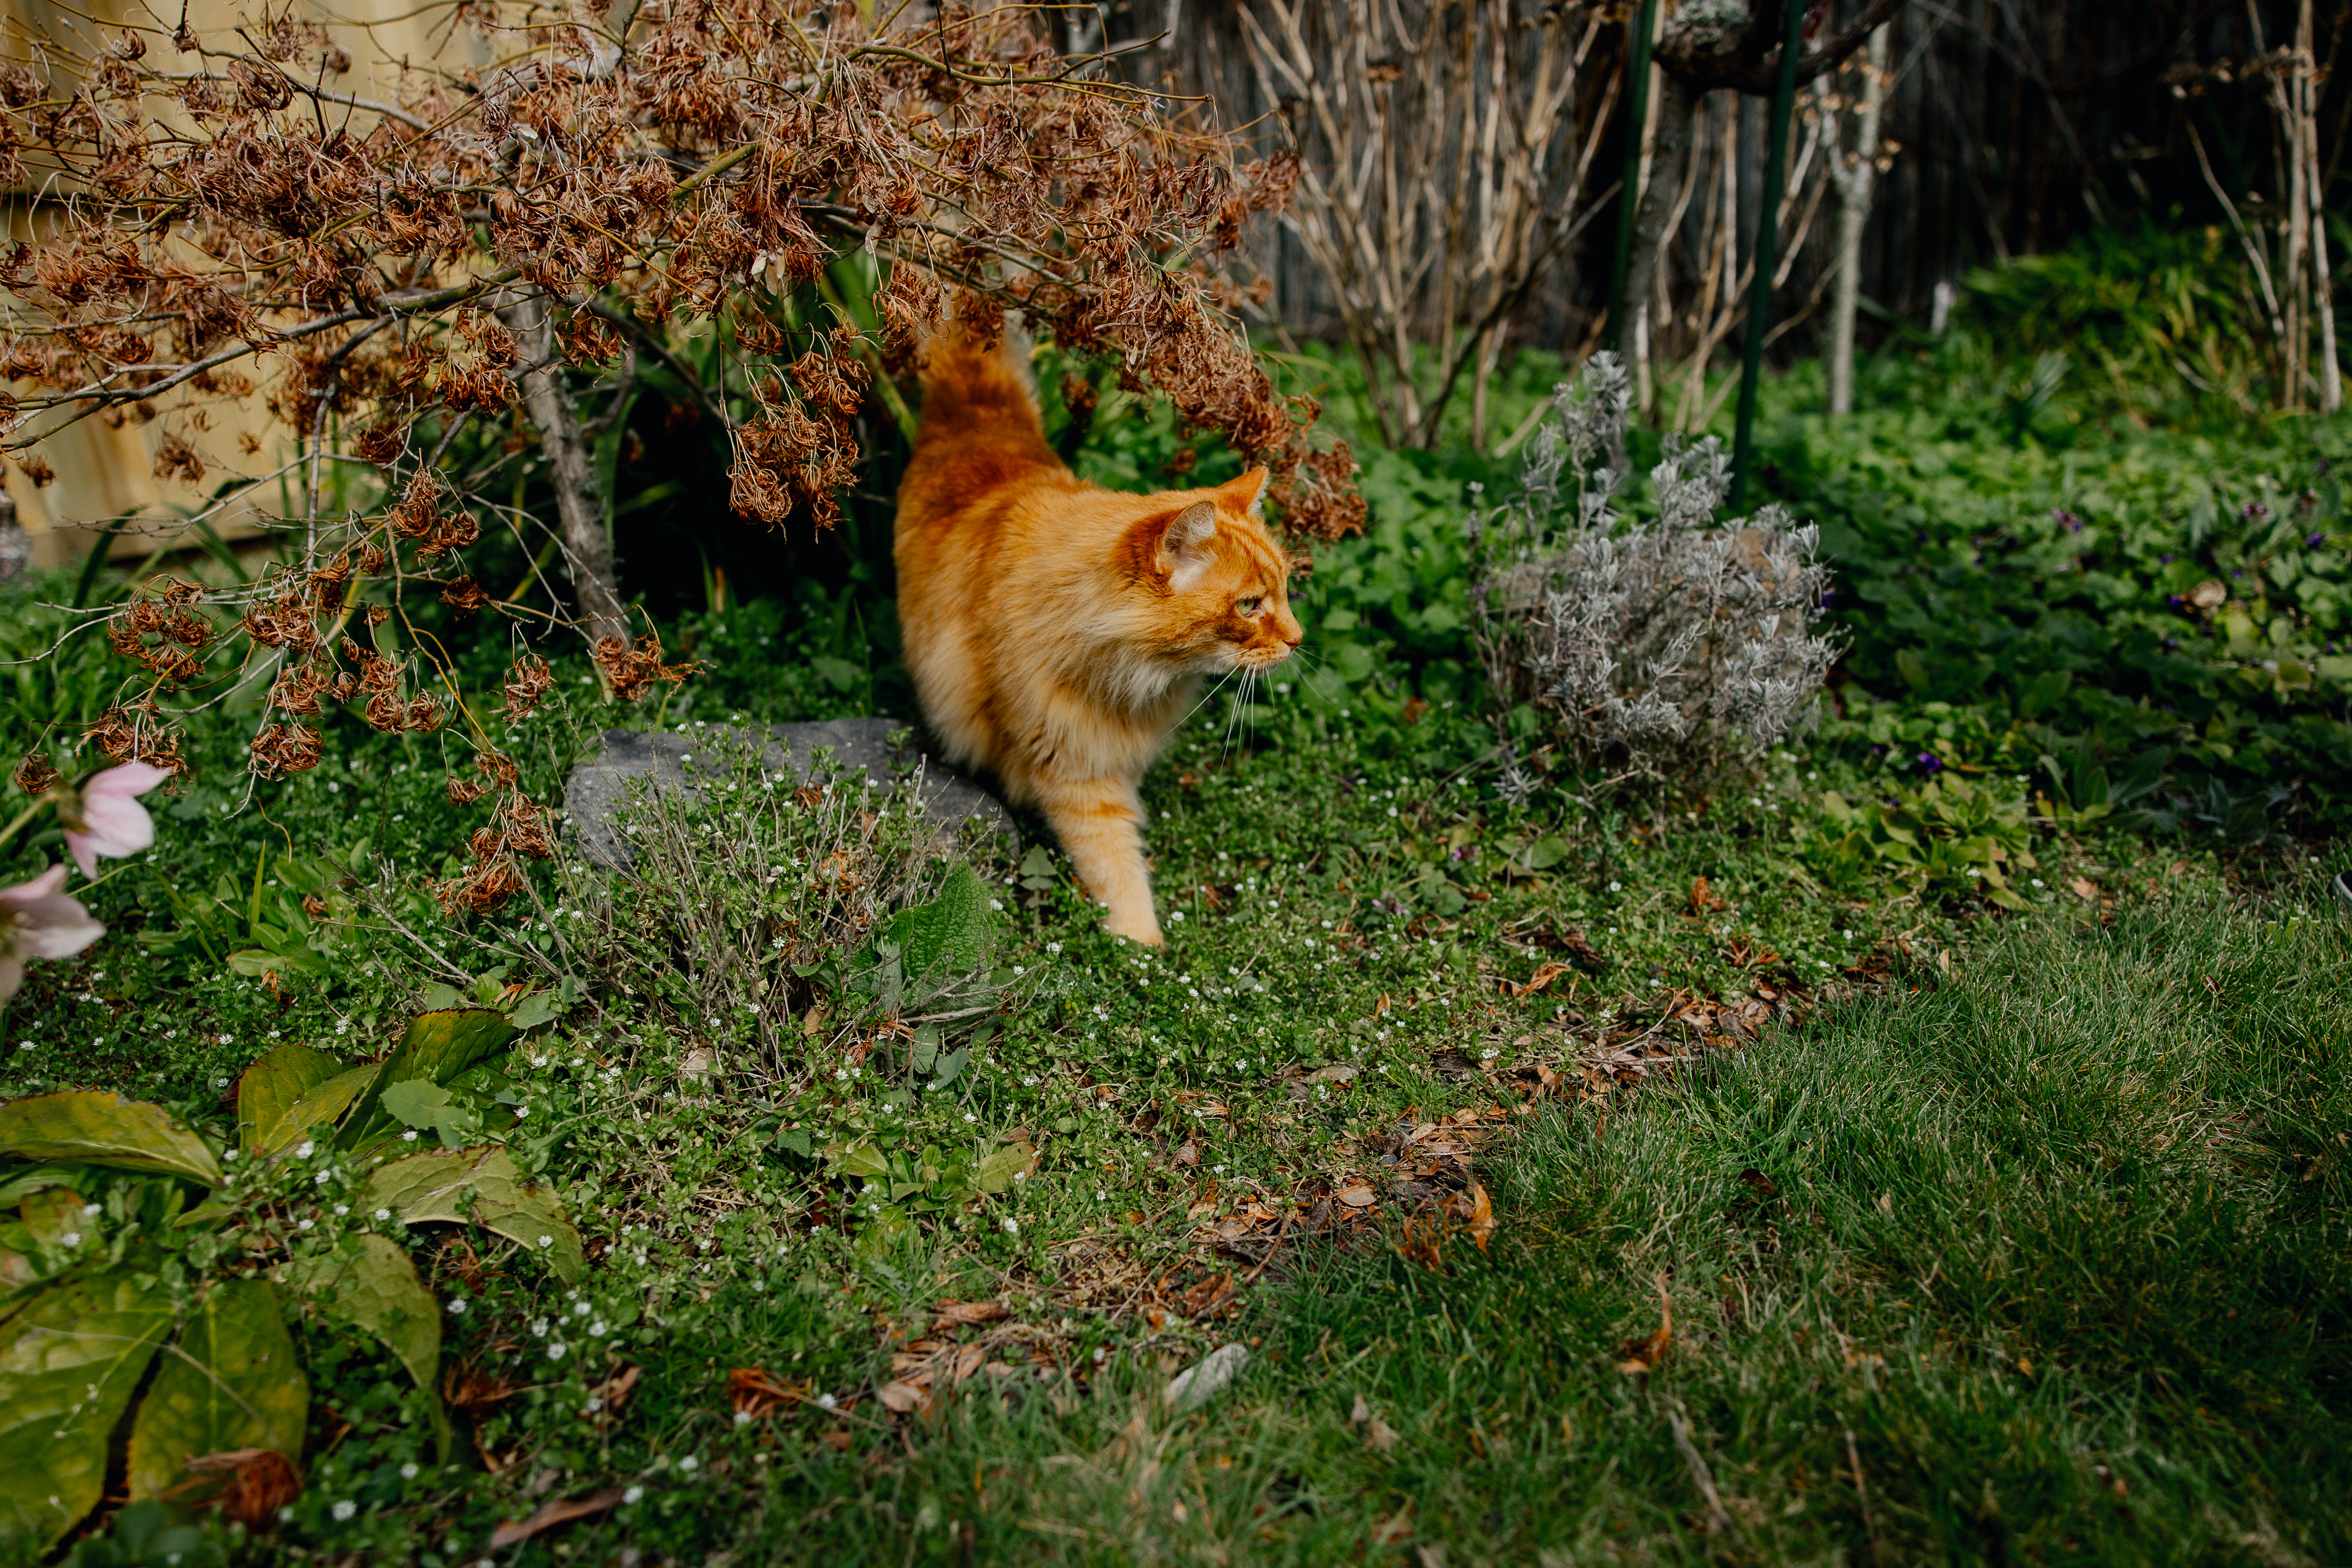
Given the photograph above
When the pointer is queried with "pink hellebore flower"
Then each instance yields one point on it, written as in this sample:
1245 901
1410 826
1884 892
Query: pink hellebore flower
38 920
111 821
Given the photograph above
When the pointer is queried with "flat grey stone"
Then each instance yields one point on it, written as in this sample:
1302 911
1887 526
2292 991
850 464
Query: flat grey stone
599 787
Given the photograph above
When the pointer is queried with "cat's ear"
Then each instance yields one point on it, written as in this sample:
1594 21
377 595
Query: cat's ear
1184 553
1247 494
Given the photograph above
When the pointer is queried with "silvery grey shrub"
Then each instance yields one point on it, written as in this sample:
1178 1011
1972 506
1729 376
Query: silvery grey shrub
1674 648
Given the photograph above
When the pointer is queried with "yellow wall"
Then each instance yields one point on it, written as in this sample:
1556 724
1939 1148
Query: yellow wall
104 473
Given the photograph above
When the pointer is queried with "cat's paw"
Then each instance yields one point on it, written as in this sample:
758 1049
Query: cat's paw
1136 925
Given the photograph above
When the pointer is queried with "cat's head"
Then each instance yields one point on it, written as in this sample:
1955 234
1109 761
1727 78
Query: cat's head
1219 583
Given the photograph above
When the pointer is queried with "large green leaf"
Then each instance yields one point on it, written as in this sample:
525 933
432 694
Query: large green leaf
481 1185
232 1382
317 1107
949 934
103 1128
273 1086
68 1363
370 1282
438 1046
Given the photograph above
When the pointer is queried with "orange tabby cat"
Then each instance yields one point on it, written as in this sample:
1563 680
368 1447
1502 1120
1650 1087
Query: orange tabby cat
1058 631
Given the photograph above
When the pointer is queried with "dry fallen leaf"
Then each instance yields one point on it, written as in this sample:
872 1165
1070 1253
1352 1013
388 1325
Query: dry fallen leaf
972 1312
1642 1355
1377 1432
249 1484
1481 1216
2083 888
967 1362
1356 1197
550 1515
1536 982
899 1397
753 1392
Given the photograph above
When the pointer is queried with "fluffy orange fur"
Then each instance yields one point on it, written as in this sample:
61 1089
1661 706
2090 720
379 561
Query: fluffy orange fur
1058 631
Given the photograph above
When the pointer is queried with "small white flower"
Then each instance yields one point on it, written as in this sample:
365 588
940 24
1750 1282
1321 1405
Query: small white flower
555 1351
1013 1227
1616 886
408 1471
320 1179
634 1494
73 1238
581 1309
826 1401
307 1224
342 1209
227 1039
409 1136
343 1509
546 1241
458 1307
688 1465
305 1151
996 903
2037 881
596 1329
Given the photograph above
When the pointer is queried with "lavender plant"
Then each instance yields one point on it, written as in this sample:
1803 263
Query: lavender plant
1675 649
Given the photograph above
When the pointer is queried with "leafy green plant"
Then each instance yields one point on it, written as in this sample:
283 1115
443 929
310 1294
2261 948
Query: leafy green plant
1948 836
133 1241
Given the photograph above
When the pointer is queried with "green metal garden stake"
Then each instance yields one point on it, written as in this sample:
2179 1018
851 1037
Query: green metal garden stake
1766 251
1645 22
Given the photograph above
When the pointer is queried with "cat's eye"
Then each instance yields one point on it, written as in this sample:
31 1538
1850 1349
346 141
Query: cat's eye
1250 605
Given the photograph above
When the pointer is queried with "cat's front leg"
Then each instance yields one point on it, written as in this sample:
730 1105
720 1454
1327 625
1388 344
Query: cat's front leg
1101 825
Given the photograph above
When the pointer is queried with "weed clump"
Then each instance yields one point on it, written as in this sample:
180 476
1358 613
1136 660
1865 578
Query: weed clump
1673 649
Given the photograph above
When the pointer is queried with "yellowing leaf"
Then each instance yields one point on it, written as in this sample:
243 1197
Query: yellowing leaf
370 1282
858 1158
98 1128
232 1382
317 1107
480 1185
270 1087
997 1171
69 1362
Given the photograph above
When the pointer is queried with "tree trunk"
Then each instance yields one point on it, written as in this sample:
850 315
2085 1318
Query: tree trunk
2322 293
1853 187
1670 150
579 503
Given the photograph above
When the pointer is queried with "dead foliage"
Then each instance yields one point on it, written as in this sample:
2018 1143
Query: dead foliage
247 1485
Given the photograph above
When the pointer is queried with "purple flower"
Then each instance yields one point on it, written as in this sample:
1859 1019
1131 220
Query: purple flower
108 819
1930 764
2069 519
2316 540
2251 509
38 920
2167 558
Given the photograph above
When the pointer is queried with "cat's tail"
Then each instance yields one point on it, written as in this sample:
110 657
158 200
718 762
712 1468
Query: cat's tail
977 390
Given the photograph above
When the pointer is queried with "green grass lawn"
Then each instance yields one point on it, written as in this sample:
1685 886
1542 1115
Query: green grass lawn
2044 1261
